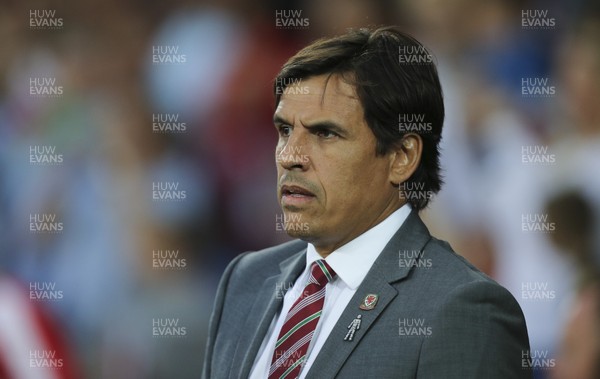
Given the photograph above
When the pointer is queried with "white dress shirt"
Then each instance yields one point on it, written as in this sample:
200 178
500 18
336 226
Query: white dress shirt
351 263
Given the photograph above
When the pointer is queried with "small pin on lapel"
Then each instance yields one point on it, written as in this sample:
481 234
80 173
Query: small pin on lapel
369 302
353 327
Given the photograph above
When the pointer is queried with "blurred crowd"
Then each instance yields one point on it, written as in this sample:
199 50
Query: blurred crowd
85 157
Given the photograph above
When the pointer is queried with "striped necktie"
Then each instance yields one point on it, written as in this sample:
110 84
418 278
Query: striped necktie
299 326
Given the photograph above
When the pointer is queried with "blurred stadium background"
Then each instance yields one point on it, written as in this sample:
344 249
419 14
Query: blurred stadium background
88 87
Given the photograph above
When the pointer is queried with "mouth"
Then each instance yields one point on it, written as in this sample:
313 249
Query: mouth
295 195
293 190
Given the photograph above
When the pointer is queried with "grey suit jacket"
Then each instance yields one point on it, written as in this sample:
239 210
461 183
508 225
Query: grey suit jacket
437 316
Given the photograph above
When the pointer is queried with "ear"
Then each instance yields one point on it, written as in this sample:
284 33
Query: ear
405 158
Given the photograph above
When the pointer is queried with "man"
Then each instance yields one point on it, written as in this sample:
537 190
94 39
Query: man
365 291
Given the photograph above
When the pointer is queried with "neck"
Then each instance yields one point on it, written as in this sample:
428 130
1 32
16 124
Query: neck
324 249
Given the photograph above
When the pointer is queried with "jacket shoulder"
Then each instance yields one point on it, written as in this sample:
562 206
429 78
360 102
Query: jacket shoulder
271 256
255 266
444 260
449 274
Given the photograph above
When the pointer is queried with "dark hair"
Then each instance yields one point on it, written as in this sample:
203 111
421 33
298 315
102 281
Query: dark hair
394 75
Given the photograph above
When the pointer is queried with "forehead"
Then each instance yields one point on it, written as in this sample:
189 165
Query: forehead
318 97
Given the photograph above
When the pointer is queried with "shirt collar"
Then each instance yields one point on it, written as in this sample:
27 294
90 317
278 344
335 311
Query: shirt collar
352 261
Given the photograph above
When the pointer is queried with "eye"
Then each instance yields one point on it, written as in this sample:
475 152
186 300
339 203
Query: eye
324 133
284 130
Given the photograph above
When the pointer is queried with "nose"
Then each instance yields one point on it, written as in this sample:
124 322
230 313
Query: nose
294 154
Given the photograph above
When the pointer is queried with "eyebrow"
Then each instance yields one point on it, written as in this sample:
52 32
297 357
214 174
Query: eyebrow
277 119
319 125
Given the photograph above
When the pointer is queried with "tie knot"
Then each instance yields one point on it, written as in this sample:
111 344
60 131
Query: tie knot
321 273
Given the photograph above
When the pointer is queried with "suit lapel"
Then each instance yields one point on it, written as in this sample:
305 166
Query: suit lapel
413 235
268 302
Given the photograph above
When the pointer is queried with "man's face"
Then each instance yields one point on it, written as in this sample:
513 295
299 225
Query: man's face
331 185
